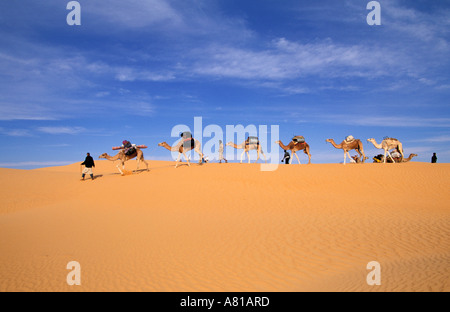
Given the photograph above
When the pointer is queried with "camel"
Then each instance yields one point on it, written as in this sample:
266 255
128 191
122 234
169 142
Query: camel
357 159
399 160
294 147
182 149
388 144
247 148
347 146
138 154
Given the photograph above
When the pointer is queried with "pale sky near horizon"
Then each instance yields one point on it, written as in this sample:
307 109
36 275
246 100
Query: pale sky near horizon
136 69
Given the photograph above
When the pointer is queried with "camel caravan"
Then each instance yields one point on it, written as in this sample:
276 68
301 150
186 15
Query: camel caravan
187 143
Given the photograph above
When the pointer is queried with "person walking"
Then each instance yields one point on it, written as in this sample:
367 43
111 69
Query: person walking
221 153
88 165
286 158
434 158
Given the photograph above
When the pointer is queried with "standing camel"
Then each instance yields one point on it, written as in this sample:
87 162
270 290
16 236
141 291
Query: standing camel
347 146
138 154
248 146
387 144
182 148
294 147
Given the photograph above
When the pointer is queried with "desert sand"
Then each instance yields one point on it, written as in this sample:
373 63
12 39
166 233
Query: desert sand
227 227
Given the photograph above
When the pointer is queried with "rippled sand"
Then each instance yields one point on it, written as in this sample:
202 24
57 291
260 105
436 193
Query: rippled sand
227 227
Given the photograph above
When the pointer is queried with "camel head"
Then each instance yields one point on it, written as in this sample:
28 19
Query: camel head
229 144
277 142
371 140
162 144
328 140
413 155
103 155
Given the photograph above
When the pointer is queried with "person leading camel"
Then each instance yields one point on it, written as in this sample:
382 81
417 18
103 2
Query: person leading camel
286 157
88 165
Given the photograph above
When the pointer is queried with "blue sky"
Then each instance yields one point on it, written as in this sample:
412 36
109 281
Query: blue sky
135 69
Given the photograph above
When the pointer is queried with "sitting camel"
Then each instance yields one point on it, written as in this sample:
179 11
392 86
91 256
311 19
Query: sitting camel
388 144
294 147
182 147
398 160
348 145
138 154
357 159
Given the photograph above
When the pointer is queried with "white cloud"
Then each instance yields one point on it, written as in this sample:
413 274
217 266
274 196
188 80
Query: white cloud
285 60
134 13
436 139
61 130
384 121
132 74
22 164
25 111
16 132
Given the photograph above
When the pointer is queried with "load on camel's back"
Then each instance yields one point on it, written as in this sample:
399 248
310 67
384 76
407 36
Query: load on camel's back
188 140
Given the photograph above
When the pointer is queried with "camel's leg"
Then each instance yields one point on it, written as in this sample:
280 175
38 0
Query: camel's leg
296 156
121 172
306 151
400 149
350 158
257 158
248 156
178 159
242 155
345 156
197 149
146 164
390 156
189 164
265 159
363 155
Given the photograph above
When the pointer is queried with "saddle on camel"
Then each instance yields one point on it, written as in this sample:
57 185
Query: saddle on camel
252 140
188 140
300 140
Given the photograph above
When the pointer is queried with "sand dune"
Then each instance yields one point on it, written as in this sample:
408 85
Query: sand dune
227 227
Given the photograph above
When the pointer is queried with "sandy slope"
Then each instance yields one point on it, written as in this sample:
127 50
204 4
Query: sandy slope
227 228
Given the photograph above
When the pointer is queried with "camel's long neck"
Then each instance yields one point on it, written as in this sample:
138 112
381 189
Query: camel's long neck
283 146
168 147
112 158
236 146
336 145
379 146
